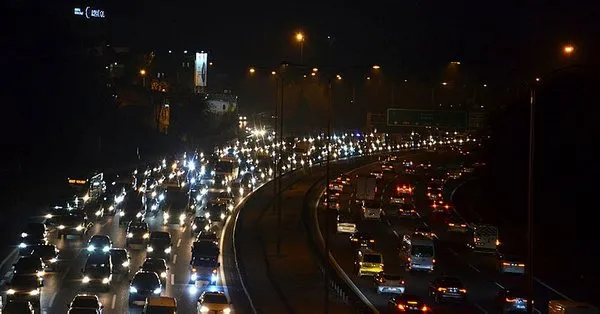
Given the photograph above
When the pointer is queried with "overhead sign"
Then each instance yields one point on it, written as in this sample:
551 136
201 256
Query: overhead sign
90 13
200 69
425 118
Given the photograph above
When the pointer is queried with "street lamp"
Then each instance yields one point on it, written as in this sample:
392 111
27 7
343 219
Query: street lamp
252 70
143 74
300 38
568 50
376 67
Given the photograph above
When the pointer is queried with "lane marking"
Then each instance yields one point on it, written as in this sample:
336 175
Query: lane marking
396 233
453 252
172 279
480 308
174 258
475 268
179 242
388 223
535 310
51 300
499 285
562 295
183 230
113 301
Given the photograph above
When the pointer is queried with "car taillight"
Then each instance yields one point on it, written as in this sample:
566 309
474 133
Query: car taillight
425 308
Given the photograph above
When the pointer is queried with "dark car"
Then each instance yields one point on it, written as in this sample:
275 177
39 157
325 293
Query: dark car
97 271
25 288
85 303
137 233
74 224
407 303
199 224
133 209
121 260
362 239
216 211
33 234
144 284
513 299
29 265
99 243
18 307
446 288
49 255
158 266
208 236
159 244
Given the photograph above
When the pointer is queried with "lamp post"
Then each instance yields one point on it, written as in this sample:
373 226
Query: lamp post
300 38
143 74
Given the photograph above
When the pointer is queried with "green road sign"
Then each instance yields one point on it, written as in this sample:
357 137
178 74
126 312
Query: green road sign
423 118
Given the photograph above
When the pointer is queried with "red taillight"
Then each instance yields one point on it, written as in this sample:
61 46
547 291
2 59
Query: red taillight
425 308
401 307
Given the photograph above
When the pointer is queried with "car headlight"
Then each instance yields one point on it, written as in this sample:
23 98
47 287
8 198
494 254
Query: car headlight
230 207
154 207
182 217
194 277
226 310
130 235
111 208
22 245
207 215
61 227
10 291
149 249
161 197
163 275
98 212
53 260
105 280
222 216
166 216
157 290
204 309
121 213
206 227
133 289
105 249
79 228
24 235
138 215
146 235
48 216
168 250
125 264
85 279
34 292
91 248
194 227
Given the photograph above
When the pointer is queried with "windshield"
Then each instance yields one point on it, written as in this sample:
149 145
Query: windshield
85 303
99 240
36 229
151 309
71 220
138 227
118 255
372 258
27 263
372 204
204 261
421 251
160 237
44 250
24 281
145 280
224 167
214 299
154 264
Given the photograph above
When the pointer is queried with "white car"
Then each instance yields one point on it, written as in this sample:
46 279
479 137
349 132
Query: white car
214 302
389 283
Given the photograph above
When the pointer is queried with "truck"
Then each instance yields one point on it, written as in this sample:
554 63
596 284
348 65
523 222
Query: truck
366 187
485 238
204 265
302 148
571 307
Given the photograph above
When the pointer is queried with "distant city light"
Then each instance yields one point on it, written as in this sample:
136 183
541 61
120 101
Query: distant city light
569 49
376 67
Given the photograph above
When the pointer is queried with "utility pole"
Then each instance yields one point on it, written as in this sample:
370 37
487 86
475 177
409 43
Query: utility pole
529 268
279 196
328 191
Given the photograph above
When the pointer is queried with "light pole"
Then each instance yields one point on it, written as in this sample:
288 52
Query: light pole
300 38
143 74
530 202
279 190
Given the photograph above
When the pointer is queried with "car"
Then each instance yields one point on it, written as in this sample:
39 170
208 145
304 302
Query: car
137 233
159 244
85 303
513 299
345 223
441 206
216 212
74 224
29 265
407 303
389 283
157 265
199 224
18 307
25 288
434 191
160 305
97 271
144 284
457 225
121 261
215 302
407 210
99 244
425 231
49 255
33 234
368 262
362 240
447 288
511 261
209 236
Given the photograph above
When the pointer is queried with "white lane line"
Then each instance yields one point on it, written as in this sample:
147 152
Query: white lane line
396 233
535 310
51 300
453 252
388 222
499 285
474 268
172 279
562 295
183 230
113 301
178 242
174 258
480 308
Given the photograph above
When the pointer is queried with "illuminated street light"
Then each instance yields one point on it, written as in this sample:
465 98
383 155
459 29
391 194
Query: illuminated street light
273 73
568 50
339 77
444 83
299 37
376 67
252 70
368 77
142 72
315 70
313 74
455 62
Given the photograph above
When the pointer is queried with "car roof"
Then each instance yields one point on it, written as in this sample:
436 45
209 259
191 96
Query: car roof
162 301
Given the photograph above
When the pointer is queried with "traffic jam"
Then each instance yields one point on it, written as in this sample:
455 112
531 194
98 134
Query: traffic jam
149 211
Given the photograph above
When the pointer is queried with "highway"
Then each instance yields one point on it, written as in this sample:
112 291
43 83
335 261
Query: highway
477 271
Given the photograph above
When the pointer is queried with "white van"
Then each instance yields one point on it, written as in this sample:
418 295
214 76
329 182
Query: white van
418 252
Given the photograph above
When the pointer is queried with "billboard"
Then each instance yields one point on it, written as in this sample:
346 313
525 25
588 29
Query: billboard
200 69
424 118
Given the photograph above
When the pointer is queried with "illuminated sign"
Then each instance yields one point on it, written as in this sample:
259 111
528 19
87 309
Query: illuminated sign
75 181
200 69
90 13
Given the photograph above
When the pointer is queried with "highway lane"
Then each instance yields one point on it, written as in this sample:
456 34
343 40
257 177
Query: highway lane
477 272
